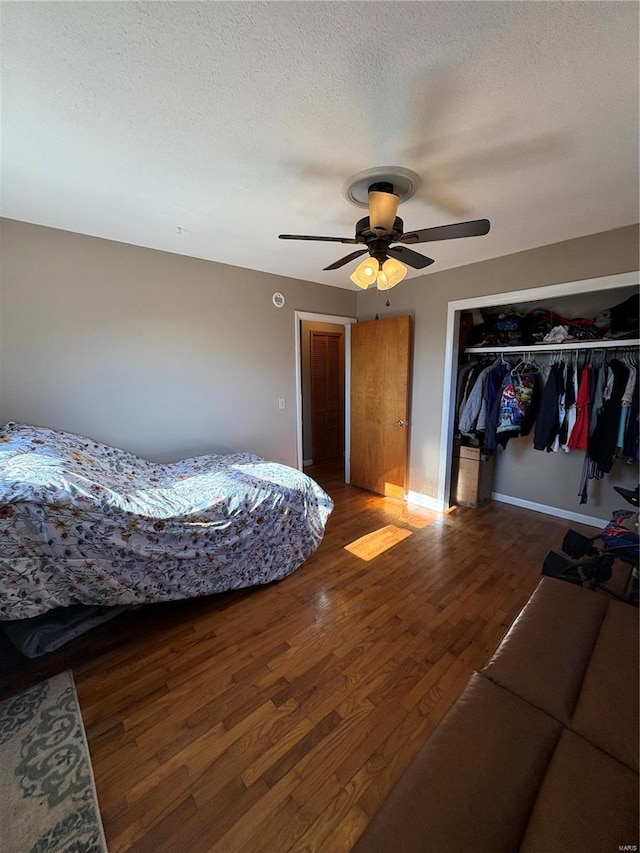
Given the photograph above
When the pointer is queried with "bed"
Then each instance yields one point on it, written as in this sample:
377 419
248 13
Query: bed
85 523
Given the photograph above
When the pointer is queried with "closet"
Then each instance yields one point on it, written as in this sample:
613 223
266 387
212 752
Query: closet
548 476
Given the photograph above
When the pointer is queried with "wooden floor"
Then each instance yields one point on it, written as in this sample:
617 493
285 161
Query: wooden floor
277 719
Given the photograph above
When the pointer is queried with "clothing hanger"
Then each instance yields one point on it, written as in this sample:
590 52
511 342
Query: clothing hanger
525 365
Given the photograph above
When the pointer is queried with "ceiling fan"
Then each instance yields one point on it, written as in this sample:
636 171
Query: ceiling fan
385 189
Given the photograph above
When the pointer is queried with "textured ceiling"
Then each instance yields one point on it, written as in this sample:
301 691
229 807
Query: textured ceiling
234 122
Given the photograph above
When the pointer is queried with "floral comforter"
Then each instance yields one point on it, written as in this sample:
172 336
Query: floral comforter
85 523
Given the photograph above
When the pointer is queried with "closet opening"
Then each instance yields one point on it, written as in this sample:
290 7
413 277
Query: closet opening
519 473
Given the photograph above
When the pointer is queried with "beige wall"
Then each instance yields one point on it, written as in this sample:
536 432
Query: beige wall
544 478
169 356
305 355
163 355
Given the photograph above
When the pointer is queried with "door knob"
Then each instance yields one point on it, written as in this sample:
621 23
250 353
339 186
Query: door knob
400 422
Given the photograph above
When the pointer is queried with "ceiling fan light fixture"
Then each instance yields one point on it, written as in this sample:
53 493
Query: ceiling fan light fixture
383 207
391 273
365 273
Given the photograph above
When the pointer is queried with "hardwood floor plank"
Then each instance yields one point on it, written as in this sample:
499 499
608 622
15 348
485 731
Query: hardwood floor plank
243 833
278 750
279 831
291 757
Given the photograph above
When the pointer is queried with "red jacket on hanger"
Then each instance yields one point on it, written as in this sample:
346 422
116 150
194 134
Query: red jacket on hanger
580 432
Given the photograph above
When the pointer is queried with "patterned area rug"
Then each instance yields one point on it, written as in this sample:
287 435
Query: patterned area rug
47 793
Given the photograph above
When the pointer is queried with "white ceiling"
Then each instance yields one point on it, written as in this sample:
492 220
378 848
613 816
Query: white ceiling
238 121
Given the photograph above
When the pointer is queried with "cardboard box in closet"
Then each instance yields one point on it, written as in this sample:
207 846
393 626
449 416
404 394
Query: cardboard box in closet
471 476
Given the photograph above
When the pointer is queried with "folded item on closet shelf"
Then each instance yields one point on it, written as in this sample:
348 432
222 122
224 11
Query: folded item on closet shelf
557 335
624 318
584 332
505 329
603 320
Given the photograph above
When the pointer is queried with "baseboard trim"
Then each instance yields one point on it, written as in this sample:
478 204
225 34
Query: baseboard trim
591 520
426 501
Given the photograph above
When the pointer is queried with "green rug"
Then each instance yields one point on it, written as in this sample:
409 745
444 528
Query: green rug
47 793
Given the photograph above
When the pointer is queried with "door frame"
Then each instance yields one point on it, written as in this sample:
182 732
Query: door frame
454 310
299 316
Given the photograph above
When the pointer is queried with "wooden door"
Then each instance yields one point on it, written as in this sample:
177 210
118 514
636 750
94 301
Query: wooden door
379 405
327 391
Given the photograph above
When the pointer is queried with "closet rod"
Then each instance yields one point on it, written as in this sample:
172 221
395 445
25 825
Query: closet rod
580 345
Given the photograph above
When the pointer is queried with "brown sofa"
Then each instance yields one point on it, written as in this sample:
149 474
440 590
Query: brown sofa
540 752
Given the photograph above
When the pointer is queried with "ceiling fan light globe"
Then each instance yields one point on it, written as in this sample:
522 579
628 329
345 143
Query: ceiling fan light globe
382 211
391 273
365 273
382 281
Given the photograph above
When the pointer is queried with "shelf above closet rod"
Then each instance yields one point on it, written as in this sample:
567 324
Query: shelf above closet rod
620 344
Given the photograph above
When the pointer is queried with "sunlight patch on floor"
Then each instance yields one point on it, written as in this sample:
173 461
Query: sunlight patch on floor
418 519
376 543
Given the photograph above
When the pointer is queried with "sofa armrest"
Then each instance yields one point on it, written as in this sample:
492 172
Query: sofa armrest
546 652
474 783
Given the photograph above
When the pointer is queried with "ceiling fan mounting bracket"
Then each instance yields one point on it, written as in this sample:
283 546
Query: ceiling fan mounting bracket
380 187
402 182
364 234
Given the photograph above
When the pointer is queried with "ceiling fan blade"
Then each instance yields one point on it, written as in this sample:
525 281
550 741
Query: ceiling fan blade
475 228
323 239
408 256
346 259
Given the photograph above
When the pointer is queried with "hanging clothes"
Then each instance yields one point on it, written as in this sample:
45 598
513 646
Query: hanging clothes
602 445
571 394
548 422
492 390
464 377
471 408
589 408
627 396
562 412
597 400
630 450
517 404
580 432
513 412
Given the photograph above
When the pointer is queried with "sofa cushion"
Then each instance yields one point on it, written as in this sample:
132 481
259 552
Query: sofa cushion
545 654
588 802
607 709
473 785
